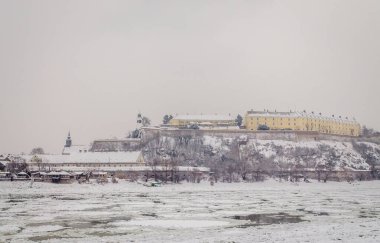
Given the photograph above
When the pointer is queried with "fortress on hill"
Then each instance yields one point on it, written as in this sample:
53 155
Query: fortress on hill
273 120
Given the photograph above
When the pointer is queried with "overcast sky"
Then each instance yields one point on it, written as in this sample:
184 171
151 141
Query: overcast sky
91 66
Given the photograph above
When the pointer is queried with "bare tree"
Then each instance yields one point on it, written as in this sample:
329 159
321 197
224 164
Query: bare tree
153 164
37 150
369 154
331 161
37 160
16 165
145 121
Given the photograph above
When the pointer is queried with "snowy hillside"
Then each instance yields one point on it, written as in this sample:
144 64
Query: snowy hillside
309 154
261 154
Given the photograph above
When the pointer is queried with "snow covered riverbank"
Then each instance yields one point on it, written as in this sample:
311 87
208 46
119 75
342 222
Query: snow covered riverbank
242 212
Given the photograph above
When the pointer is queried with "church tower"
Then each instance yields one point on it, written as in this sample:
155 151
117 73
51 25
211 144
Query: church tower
68 141
139 121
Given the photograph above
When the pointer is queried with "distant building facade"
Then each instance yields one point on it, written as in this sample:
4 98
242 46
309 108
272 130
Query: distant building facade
301 121
202 120
105 156
106 161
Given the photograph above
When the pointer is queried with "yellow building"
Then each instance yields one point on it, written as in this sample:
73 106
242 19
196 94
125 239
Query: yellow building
301 121
203 120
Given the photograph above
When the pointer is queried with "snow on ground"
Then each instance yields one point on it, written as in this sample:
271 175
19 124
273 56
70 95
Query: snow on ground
124 212
348 157
314 152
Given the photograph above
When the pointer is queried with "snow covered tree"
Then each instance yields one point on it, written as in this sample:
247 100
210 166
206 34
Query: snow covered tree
145 121
369 154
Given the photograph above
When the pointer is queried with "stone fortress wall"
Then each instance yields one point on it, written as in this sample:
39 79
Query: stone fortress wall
297 136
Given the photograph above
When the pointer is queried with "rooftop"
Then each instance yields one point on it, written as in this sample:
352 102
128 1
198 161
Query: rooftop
89 157
75 149
205 117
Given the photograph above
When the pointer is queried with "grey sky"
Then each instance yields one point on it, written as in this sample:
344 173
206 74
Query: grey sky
91 66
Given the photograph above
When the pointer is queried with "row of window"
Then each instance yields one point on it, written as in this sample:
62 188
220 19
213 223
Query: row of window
274 124
304 119
311 124
341 132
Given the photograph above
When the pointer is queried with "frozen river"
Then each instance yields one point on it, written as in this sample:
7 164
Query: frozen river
245 212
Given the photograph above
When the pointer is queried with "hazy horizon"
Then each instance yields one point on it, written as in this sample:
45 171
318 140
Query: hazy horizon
91 66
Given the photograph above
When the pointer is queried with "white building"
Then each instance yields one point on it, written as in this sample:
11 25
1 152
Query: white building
80 161
203 121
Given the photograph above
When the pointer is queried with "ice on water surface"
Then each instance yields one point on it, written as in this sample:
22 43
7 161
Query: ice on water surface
242 212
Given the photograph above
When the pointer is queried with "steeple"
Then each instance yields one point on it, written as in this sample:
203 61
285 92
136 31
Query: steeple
139 121
68 140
